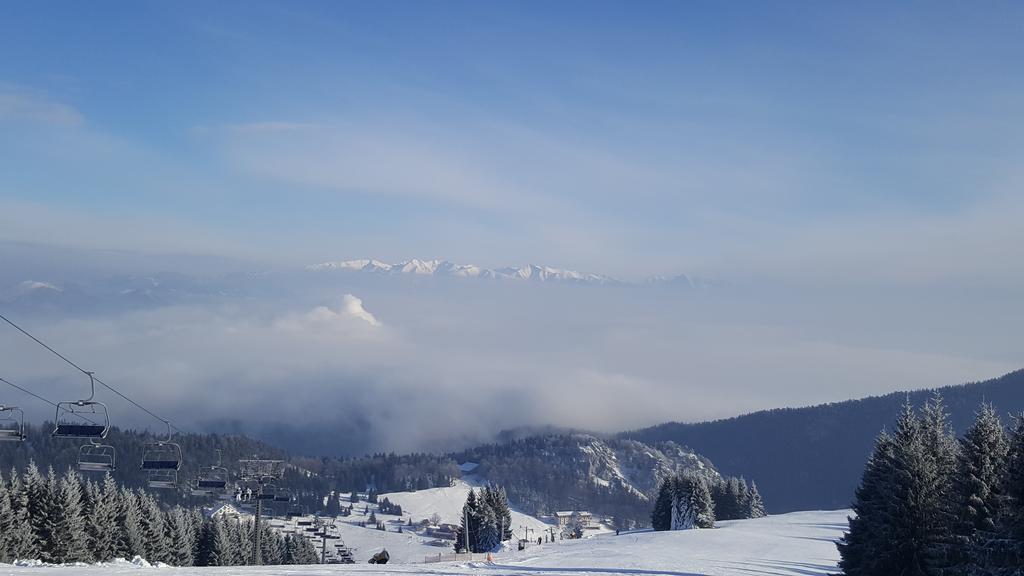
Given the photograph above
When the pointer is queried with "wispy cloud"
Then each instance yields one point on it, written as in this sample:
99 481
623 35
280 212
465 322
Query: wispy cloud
22 104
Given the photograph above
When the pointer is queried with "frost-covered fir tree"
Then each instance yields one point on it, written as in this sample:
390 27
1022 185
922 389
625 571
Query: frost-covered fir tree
702 504
181 537
661 516
755 504
863 549
497 500
976 497
6 522
684 516
68 535
129 522
488 537
209 550
693 506
152 522
38 503
467 531
900 526
1005 551
101 522
21 541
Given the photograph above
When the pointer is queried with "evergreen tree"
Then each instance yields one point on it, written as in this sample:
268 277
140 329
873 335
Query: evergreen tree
497 499
755 505
469 527
6 523
21 540
488 538
68 535
899 525
684 517
701 503
977 496
662 516
154 538
37 499
863 549
209 550
129 522
1006 550
180 537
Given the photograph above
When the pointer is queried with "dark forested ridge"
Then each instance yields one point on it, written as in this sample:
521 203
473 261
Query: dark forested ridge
811 458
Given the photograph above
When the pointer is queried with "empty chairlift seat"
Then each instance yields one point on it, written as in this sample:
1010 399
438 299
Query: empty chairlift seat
12 424
81 419
162 460
97 458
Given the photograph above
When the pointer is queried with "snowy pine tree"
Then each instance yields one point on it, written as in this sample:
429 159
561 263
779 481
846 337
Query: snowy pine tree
181 538
469 527
684 517
661 516
863 549
101 524
976 498
755 505
129 522
67 532
900 527
488 538
7 520
21 541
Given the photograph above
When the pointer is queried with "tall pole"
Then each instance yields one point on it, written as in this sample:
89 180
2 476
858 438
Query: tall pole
465 531
256 536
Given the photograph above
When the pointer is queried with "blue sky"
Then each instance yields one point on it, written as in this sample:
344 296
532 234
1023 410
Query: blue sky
848 175
615 137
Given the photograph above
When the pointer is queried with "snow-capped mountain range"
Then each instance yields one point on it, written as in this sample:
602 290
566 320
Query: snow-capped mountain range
445 268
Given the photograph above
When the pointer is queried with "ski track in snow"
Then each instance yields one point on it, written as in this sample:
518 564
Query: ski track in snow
795 544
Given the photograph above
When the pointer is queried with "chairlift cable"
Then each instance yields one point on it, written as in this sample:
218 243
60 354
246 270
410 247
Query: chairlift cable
87 373
37 396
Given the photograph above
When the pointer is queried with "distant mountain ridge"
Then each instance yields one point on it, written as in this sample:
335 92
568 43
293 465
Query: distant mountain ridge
812 458
529 272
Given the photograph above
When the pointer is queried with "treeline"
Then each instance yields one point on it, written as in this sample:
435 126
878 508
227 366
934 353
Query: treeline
486 520
384 473
71 519
688 501
929 504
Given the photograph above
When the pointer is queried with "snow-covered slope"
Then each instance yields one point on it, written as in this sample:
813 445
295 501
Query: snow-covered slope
447 503
796 544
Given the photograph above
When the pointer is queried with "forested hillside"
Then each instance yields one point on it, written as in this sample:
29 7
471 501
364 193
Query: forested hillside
616 478
811 458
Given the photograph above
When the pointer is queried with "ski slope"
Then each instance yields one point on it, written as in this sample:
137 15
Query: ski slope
447 503
796 544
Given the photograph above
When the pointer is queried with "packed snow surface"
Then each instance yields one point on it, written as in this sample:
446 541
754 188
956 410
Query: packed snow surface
796 544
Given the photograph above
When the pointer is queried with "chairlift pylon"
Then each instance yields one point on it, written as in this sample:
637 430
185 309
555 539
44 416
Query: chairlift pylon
12 424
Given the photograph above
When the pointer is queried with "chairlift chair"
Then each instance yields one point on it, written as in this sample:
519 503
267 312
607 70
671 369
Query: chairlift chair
96 457
12 424
162 459
212 480
283 495
267 492
82 418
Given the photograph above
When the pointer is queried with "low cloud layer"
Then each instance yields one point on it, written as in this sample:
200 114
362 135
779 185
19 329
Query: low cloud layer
346 364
